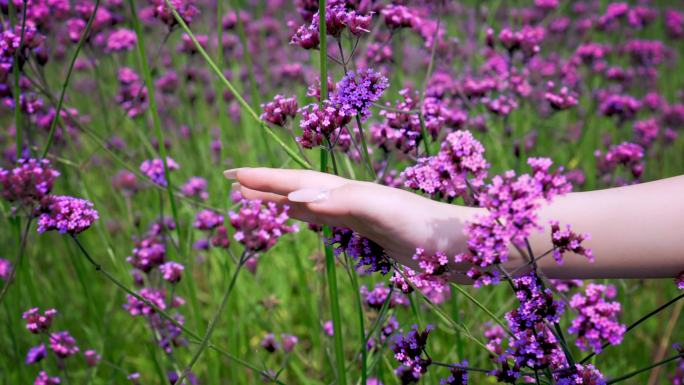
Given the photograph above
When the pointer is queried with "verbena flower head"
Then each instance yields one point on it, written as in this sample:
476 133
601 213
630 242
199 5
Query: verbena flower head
36 322
258 227
399 16
596 322
63 344
376 298
579 375
279 110
460 162
5 269
35 354
536 304
269 343
356 92
122 40
368 255
458 375
318 123
679 281
137 307
92 358
186 10
195 187
154 169
207 220
44 379
627 154
289 342
29 182
66 215
561 100
147 254
568 241
408 350
171 271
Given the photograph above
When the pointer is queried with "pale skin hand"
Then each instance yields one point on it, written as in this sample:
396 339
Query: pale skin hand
636 231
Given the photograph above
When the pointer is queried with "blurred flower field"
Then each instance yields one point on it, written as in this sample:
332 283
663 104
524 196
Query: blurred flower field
127 258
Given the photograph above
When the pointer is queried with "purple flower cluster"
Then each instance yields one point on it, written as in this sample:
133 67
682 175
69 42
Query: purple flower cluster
66 214
63 344
567 241
207 220
132 94
259 226
596 322
337 19
154 169
29 182
458 375
377 297
408 350
279 110
512 204
580 375
5 269
679 281
459 164
195 187
38 323
386 332
185 8
367 254
122 40
357 92
563 99
171 271
271 345
630 155
319 123
44 379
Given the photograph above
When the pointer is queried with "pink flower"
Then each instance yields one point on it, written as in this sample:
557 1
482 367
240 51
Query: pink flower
121 40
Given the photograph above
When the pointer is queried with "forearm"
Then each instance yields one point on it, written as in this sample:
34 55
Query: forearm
636 231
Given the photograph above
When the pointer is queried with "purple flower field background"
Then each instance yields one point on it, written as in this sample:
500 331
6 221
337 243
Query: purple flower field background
127 259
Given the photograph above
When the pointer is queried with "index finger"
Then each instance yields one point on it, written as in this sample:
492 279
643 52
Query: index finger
283 181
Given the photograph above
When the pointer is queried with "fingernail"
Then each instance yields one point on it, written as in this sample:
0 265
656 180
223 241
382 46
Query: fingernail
232 173
308 195
235 186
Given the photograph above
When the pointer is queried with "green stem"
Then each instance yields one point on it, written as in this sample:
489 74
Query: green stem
18 260
481 306
327 232
634 373
359 308
233 90
212 325
147 74
58 109
15 74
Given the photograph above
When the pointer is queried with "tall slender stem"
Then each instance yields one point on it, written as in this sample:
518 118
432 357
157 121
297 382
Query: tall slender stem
147 74
212 325
634 373
60 101
17 262
330 269
15 74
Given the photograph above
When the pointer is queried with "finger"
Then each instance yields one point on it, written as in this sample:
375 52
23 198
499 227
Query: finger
283 181
250 194
297 210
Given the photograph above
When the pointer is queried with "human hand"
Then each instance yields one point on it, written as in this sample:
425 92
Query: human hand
397 220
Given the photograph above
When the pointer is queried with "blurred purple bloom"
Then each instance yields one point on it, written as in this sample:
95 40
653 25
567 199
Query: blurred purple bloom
154 169
258 227
596 322
171 271
36 354
44 379
66 214
36 322
30 181
63 344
